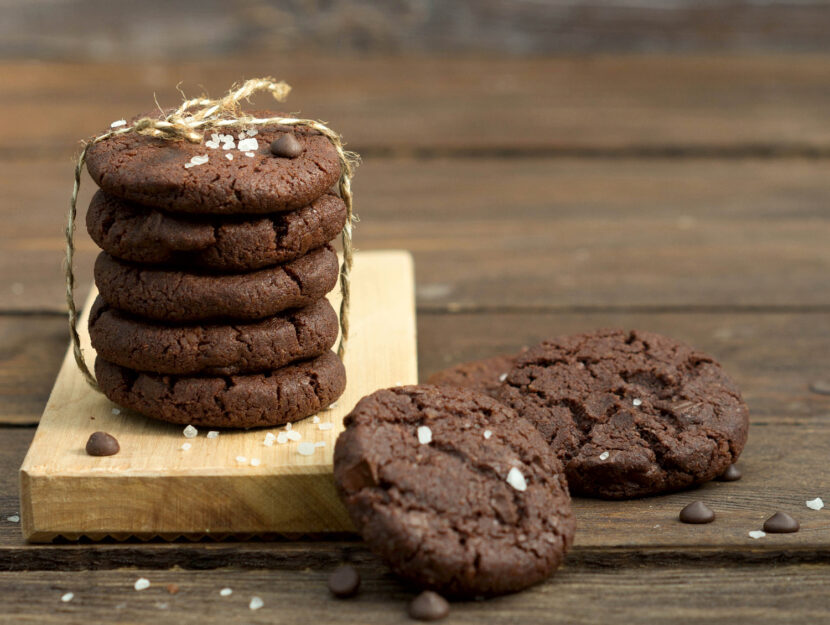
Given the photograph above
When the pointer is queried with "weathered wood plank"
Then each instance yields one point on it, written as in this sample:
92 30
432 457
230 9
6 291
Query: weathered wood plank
94 29
402 104
576 594
525 233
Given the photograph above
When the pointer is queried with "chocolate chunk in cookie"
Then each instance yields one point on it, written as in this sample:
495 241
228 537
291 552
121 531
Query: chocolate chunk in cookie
229 243
174 295
238 401
453 490
630 413
212 349
163 173
485 375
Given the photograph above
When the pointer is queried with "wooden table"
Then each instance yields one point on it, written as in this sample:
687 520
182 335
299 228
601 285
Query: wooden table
685 195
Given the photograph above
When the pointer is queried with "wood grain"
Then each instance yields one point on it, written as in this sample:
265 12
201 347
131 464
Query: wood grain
762 105
520 234
770 594
96 29
153 487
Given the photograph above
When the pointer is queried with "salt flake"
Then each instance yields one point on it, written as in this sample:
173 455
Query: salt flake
502 377
293 435
757 534
255 462
241 459
229 156
190 432
116 411
253 132
67 597
249 153
637 402
424 435
487 434
305 448
247 145
604 455
13 518
269 439
320 444
186 446
325 426
282 438
142 583
516 479
225 592
212 434
315 419
815 504
256 603
119 123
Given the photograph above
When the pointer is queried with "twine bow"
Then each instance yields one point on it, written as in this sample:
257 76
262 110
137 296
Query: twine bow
190 122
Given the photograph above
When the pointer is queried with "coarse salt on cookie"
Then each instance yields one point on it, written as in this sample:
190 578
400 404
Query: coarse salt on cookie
604 455
118 123
487 434
516 479
247 145
424 435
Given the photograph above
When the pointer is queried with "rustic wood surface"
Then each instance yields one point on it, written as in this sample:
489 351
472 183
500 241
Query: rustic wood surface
685 195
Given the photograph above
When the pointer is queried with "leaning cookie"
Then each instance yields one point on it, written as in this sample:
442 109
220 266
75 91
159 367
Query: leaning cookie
212 349
181 296
630 413
453 490
148 235
200 178
240 401
485 376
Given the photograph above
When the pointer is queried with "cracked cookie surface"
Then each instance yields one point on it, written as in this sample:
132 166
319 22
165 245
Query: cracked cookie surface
453 490
486 375
149 235
212 349
151 172
629 413
175 296
281 396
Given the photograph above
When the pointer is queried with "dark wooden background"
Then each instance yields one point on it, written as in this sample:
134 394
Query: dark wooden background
554 167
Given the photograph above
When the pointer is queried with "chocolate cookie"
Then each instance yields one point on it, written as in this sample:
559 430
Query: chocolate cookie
161 173
172 295
453 490
239 401
148 235
485 375
630 413
212 349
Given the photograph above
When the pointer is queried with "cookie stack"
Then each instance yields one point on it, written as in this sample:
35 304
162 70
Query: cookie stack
215 265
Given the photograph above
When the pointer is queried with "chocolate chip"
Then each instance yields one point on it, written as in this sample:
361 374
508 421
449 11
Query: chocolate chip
697 512
781 523
822 387
344 581
429 606
286 146
102 444
732 474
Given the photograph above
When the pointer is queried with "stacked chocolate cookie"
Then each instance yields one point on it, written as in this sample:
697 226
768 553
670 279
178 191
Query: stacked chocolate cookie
215 265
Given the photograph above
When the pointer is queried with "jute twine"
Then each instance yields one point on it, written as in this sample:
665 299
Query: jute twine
190 122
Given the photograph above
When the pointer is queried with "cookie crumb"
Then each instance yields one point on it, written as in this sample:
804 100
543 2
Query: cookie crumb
142 583
815 504
225 592
305 448
487 434
190 432
67 597
424 435
757 534
256 603
516 479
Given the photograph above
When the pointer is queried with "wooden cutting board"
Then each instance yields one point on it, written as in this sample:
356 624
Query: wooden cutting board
153 487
